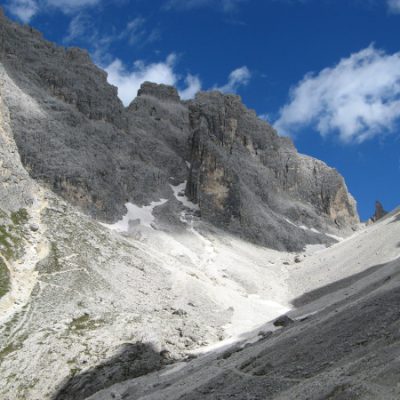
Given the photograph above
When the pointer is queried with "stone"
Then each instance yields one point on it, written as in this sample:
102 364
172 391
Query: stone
283 321
179 312
34 227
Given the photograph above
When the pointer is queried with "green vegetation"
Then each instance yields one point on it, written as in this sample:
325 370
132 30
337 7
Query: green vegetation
20 217
11 347
52 262
6 328
84 322
15 345
11 243
8 350
4 278
55 257
12 234
75 371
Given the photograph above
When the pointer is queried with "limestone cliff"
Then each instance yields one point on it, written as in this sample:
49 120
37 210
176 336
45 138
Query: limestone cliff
247 178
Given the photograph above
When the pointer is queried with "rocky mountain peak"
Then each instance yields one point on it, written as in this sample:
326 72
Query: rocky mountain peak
380 212
73 132
159 91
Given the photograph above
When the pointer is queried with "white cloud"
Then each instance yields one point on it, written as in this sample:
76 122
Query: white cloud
185 5
134 30
84 31
231 5
70 5
128 81
23 9
265 117
239 77
193 85
136 33
78 26
358 98
394 6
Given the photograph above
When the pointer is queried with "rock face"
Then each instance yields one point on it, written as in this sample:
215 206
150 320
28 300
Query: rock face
379 212
16 189
73 133
248 179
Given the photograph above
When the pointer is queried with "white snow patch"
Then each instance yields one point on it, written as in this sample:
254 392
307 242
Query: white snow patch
290 222
144 216
179 193
314 248
338 238
251 313
305 228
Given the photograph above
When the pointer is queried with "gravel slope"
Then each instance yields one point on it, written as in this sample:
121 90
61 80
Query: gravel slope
344 342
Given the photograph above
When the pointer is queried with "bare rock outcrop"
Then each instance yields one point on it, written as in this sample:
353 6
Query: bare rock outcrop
248 179
379 212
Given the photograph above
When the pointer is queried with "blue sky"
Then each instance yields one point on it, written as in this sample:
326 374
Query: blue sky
325 72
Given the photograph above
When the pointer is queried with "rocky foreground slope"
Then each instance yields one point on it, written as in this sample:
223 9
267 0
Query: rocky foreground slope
342 340
135 238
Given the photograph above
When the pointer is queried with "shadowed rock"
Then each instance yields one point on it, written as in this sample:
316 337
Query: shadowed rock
132 361
283 321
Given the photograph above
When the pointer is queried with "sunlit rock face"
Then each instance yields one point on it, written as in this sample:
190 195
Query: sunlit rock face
247 178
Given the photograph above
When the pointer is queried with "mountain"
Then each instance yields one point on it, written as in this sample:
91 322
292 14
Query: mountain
75 135
133 238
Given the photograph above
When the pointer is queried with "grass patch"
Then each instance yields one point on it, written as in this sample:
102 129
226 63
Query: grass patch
74 371
10 242
12 233
8 350
84 322
20 217
52 262
4 279
55 257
